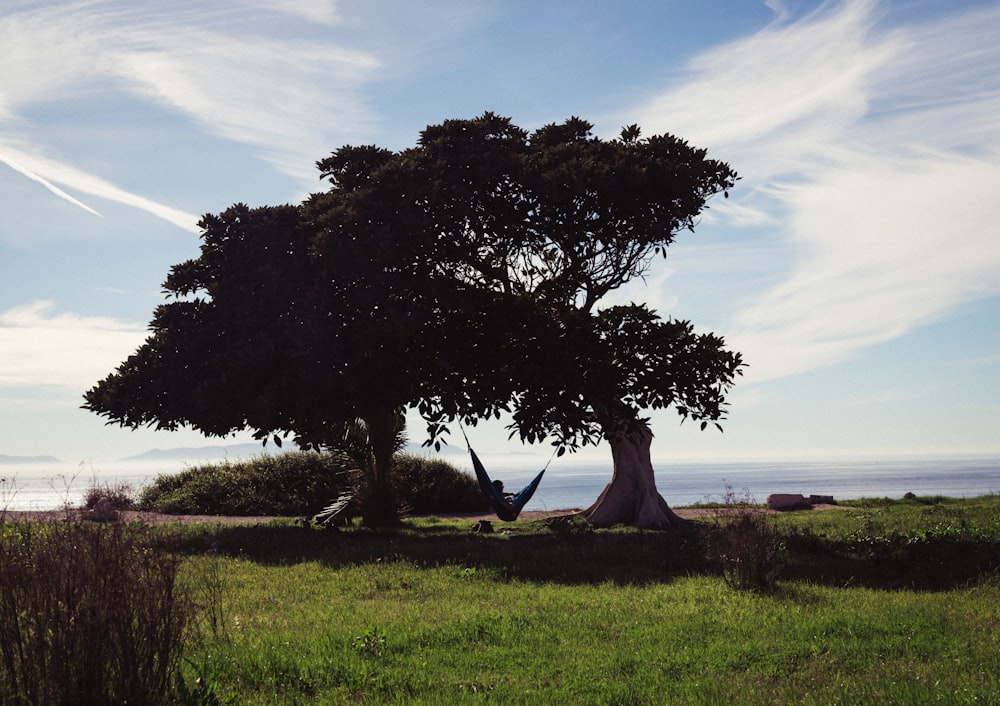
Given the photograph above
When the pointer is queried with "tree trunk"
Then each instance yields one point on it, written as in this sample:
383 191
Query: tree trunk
380 506
631 497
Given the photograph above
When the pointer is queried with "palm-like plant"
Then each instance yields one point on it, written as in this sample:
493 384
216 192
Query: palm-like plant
370 446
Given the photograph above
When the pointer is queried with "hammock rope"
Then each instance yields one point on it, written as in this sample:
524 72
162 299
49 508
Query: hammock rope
506 508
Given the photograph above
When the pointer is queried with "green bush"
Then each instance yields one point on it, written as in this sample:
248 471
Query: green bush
299 483
303 483
428 485
89 614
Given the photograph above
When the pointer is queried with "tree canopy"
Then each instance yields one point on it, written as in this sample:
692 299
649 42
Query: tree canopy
462 277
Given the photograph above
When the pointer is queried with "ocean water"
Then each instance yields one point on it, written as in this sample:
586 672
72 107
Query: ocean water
575 484
55 485
688 483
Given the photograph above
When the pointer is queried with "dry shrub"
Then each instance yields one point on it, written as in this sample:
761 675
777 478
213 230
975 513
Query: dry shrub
119 496
88 614
745 544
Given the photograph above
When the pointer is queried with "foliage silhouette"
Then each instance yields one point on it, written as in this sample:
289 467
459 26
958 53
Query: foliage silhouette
461 277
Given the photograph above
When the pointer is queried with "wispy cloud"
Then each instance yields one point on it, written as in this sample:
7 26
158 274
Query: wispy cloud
34 165
290 98
322 11
876 147
40 347
779 8
9 160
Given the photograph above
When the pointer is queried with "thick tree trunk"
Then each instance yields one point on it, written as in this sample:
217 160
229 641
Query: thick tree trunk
380 505
631 497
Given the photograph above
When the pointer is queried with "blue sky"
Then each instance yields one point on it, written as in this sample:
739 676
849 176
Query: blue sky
855 265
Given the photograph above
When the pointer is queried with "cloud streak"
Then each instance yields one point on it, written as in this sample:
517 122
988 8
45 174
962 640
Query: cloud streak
39 347
219 65
321 11
876 148
16 166
33 166
282 97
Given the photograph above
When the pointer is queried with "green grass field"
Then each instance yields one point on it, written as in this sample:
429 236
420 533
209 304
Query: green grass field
890 603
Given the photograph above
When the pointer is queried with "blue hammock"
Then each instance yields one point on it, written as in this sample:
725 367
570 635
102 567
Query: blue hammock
507 509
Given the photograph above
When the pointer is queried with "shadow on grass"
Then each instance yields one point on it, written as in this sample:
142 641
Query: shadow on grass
577 554
533 553
892 562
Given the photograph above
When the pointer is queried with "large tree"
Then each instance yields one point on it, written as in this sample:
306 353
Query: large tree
463 277
542 227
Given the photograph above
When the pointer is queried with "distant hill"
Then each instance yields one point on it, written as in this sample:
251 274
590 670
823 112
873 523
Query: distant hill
28 459
205 453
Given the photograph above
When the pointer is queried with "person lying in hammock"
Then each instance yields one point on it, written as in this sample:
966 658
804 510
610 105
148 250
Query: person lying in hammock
498 484
507 506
